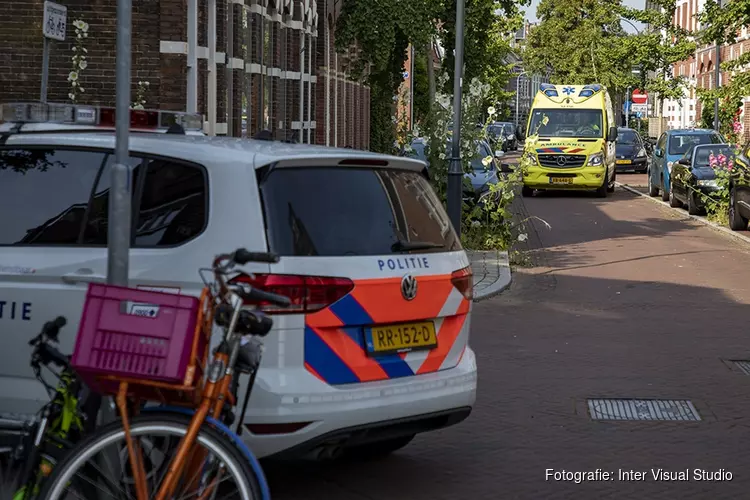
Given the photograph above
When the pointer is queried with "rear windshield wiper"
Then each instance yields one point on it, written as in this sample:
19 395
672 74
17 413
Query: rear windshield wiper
405 246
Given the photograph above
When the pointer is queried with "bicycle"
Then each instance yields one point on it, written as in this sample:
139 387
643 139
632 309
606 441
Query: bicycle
191 415
61 422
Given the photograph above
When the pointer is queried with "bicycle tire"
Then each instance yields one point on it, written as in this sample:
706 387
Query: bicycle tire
209 437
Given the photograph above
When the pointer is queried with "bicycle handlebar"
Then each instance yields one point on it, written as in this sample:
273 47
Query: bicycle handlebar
256 294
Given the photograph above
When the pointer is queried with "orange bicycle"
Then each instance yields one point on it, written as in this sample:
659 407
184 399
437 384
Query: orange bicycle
174 401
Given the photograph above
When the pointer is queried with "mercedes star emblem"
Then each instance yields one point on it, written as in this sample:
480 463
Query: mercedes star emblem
561 160
409 287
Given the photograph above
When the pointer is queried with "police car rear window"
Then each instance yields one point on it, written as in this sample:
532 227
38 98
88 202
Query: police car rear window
353 211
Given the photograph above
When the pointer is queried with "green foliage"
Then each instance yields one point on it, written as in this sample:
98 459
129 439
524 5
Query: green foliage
723 23
487 26
421 88
590 45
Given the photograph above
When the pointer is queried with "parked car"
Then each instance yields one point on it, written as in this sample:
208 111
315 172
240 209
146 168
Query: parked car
692 175
503 136
739 192
481 178
631 154
368 258
671 146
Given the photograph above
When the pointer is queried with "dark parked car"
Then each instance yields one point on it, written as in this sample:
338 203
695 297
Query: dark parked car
503 136
631 153
481 177
692 175
739 192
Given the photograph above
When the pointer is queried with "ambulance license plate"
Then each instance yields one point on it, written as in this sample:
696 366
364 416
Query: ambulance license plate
388 339
561 180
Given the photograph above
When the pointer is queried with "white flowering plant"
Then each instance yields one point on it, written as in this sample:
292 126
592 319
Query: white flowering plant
140 95
79 61
489 223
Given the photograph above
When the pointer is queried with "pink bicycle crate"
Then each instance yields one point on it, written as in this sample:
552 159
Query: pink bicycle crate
139 334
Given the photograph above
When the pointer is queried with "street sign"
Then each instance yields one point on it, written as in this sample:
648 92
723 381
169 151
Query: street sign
405 75
626 107
639 115
639 97
639 108
55 21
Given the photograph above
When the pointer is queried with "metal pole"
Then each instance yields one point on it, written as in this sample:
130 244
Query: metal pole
627 107
717 83
118 248
211 105
230 68
430 73
45 70
456 171
336 103
192 57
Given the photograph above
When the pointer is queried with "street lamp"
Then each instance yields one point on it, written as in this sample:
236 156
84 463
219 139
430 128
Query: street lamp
518 89
455 170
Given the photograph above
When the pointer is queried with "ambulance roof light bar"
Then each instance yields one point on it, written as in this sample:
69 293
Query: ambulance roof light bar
95 116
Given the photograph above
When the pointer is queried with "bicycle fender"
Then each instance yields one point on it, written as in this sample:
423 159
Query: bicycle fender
254 464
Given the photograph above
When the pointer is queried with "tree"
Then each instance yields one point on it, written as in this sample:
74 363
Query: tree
487 26
590 45
721 24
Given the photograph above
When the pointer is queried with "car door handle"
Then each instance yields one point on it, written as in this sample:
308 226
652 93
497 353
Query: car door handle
83 275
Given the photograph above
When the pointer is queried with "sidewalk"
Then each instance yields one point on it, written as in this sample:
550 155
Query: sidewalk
491 273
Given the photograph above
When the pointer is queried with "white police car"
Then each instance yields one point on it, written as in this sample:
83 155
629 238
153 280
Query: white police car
375 346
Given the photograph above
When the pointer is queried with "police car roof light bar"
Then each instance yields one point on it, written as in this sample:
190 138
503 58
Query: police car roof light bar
99 116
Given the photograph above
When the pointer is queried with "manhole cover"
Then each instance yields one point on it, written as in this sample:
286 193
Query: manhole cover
643 409
743 365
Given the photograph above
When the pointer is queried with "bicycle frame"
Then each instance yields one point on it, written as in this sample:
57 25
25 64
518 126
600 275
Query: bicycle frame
55 432
215 394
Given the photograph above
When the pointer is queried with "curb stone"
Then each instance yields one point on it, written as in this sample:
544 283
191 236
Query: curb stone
734 234
491 273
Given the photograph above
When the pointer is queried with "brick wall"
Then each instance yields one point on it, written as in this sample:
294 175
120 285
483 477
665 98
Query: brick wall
156 21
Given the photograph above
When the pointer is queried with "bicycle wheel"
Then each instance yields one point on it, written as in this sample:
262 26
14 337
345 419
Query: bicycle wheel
98 467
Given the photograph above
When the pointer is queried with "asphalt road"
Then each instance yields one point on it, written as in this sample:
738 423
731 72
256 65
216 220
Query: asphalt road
623 298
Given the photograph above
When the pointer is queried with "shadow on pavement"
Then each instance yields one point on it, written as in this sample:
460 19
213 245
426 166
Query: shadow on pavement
542 350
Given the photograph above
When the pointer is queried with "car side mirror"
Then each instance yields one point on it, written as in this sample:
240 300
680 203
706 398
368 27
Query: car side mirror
658 152
612 135
684 161
505 168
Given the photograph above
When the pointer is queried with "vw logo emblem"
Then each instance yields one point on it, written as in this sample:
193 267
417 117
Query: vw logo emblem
409 287
561 160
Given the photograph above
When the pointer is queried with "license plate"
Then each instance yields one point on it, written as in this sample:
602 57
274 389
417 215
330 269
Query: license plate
561 180
623 162
403 337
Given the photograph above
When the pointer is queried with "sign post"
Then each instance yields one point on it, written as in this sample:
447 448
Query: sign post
53 28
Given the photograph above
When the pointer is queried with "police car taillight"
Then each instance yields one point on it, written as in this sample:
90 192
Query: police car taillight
99 116
307 294
464 282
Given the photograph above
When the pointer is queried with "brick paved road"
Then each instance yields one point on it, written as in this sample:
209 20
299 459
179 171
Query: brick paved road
622 300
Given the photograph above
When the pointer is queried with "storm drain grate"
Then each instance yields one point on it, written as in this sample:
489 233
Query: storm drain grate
643 409
743 365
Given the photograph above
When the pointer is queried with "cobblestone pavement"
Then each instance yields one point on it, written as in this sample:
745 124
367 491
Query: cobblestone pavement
620 300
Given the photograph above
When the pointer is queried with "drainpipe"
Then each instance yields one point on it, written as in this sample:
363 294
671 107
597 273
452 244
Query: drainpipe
229 68
211 67
309 92
328 83
302 86
336 103
192 57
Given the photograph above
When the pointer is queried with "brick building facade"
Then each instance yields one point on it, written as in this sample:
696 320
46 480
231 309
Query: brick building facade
699 70
276 85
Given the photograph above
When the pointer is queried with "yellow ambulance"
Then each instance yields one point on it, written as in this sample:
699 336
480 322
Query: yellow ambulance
570 140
